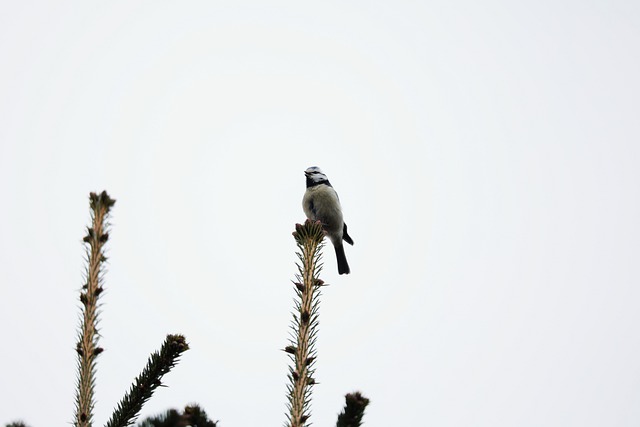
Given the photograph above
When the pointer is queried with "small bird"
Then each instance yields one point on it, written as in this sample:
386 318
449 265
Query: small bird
321 203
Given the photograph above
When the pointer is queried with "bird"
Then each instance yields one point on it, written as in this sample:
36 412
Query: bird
321 203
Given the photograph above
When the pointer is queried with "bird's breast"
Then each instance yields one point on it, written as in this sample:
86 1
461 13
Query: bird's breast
321 203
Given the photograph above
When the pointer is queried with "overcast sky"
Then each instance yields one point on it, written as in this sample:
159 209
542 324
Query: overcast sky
487 159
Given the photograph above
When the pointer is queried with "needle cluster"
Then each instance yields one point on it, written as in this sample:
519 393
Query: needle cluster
87 346
144 385
351 415
309 238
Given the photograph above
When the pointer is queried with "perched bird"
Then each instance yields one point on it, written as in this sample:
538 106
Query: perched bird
321 203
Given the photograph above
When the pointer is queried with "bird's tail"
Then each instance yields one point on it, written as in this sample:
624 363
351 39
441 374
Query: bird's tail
343 266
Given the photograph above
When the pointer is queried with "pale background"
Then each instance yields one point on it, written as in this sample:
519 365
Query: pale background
486 153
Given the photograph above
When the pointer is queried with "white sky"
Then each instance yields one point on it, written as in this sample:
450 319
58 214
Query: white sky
486 155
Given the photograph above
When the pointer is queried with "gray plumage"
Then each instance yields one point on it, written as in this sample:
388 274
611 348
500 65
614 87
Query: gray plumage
321 203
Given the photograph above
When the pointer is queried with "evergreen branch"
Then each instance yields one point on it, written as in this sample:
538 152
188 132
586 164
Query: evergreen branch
353 411
143 387
87 346
309 238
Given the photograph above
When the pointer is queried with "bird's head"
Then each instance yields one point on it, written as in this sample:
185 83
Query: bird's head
315 176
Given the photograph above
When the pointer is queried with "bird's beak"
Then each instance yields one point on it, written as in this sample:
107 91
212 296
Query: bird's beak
306 174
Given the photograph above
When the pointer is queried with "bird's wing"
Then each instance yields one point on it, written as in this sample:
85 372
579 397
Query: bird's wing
345 235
